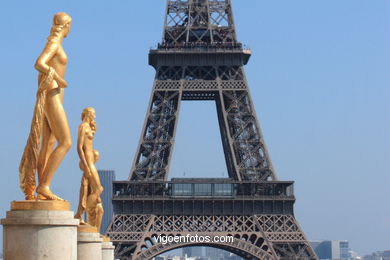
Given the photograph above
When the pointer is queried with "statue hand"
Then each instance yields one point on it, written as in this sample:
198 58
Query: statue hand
61 82
87 173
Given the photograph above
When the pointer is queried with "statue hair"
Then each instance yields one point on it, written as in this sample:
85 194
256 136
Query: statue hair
86 111
60 20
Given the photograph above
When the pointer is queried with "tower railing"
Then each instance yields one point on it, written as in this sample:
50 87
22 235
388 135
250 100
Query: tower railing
197 188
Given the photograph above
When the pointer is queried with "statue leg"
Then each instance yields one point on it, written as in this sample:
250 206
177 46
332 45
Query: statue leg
96 186
48 141
95 199
99 215
95 215
82 200
59 125
91 216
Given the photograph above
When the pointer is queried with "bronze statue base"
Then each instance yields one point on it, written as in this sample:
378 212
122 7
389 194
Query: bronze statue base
105 239
40 205
86 228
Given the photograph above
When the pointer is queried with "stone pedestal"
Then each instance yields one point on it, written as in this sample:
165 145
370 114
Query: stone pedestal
89 245
107 249
40 230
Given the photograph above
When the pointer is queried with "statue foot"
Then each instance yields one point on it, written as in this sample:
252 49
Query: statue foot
78 216
30 197
41 197
44 192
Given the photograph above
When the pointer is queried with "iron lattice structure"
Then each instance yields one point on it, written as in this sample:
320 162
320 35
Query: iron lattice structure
200 58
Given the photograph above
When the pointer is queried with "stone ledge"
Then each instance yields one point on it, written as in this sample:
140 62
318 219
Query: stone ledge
92 237
107 246
40 217
37 222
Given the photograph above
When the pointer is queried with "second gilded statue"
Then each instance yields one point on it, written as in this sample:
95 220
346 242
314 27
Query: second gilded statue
91 189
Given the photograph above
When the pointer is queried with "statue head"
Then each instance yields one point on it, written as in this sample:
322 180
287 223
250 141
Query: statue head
88 115
61 25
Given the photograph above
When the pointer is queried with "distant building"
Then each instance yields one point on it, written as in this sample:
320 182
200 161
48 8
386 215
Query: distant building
213 253
219 254
194 251
176 258
343 250
332 249
322 248
106 179
380 255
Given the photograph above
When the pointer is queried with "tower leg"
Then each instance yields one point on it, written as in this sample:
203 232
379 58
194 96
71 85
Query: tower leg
156 146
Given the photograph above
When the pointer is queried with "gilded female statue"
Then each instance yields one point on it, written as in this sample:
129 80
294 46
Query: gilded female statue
49 123
91 188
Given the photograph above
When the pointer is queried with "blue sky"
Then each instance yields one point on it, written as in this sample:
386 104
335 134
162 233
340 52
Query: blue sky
319 78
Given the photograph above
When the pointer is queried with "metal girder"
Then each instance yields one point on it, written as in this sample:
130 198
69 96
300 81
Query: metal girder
155 148
255 237
198 21
250 154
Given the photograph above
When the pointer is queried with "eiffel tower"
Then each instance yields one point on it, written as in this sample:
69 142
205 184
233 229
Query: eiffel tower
200 58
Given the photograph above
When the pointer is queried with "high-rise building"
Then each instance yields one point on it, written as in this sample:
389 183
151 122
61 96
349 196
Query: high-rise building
344 250
106 179
213 253
220 254
331 249
194 251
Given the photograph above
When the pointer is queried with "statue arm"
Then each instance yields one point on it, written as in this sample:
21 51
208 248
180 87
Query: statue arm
80 150
42 66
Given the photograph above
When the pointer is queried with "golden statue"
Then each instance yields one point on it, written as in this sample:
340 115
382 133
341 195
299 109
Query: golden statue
49 121
91 188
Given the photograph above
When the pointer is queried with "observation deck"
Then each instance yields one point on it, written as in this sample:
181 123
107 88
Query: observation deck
199 54
199 196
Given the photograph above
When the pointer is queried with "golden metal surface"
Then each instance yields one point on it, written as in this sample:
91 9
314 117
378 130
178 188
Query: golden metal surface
90 190
86 228
105 239
49 122
40 205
